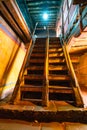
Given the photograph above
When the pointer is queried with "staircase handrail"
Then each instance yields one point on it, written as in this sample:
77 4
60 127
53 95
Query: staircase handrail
74 80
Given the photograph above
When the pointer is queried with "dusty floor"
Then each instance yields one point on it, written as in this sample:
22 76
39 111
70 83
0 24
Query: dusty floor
22 125
60 115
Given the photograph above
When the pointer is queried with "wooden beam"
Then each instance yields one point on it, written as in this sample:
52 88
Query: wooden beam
51 2
8 17
41 12
18 17
12 16
79 1
40 8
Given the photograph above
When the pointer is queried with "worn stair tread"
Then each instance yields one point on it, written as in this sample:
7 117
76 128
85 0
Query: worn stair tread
59 89
39 47
35 68
52 89
56 54
55 45
75 61
36 61
37 54
39 44
56 60
57 67
59 77
55 49
31 88
32 77
38 50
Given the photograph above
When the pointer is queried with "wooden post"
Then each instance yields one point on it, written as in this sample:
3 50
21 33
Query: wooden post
45 93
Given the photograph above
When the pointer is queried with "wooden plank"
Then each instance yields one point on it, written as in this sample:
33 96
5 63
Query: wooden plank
79 1
18 17
10 20
30 88
56 54
36 61
35 68
57 60
55 49
45 94
32 77
59 77
67 90
57 68
37 55
52 89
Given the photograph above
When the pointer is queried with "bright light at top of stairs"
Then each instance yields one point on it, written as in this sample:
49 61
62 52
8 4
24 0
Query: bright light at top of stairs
45 16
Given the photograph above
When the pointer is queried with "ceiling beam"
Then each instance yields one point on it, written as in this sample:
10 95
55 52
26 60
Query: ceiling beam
33 3
39 12
40 8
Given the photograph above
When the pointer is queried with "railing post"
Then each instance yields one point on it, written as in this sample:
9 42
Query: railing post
45 93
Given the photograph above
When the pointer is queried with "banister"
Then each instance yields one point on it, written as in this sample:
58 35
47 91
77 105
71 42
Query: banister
74 81
27 55
45 93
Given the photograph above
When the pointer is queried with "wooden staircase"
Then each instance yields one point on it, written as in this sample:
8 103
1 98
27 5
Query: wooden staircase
59 79
31 89
58 86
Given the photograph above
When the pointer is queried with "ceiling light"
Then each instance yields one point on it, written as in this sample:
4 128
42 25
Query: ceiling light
45 16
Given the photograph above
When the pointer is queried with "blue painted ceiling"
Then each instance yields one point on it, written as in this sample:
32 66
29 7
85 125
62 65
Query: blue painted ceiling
33 11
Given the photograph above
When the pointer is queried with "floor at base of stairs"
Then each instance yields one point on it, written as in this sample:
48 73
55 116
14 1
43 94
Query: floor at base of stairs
22 125
59 111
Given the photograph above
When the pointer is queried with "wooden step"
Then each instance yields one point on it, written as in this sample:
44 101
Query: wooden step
37 54
56 57
55 54
52 89
59 77
60 89
35 68
55 49
57 63
56 60
38 50
36 71
39 46
60 67
30 88
54 46
75 61
36 61
32 77
37 57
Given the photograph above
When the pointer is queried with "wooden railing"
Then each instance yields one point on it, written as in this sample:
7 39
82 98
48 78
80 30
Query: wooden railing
74 81
20 77
45 93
